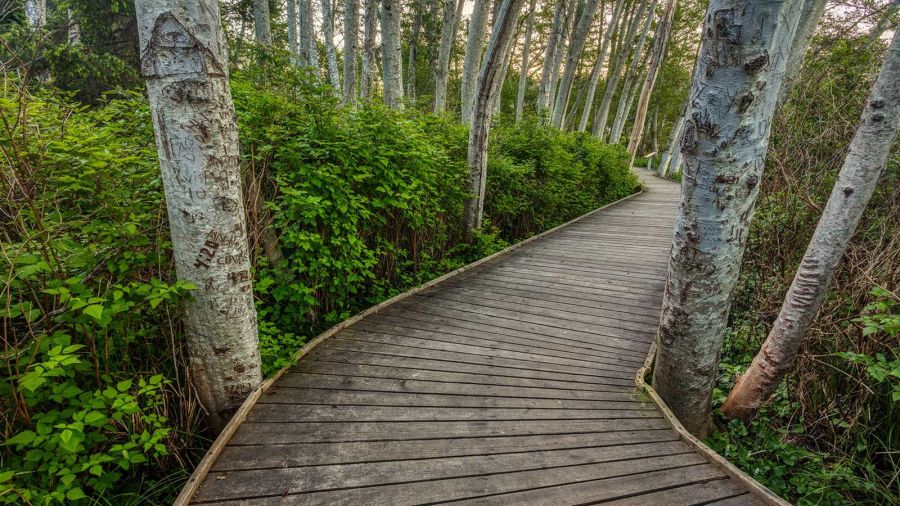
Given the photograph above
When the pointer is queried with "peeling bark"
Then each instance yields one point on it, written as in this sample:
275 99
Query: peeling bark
351 48
184 61
391 57
733 97
452 14
499 44
573 56
474 44
868 154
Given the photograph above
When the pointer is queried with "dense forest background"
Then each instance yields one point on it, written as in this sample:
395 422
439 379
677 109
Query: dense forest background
351 203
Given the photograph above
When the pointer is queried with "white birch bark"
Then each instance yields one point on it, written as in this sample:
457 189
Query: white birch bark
868 154
74 31
636 62
573 56
452 14
612 77
413 56
554 39
351 48
262 28
561 47
184 61
810 14
733 97
36 13
674 143
501 39
501 78
369 55
663 32
292 29
523 70
474 44
334 75
598 66
391 58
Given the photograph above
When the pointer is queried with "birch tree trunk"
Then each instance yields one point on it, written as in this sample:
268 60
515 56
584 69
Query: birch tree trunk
560 53
663 32
869 151
334 75
309 56
810 15
452 14
391 58
474 44
674 143
36 12
612 77
554 39
367 85
501 39
413 50
293 43
351 48
598 66
523 71
733 97
573 56
184 61
261 23
635 63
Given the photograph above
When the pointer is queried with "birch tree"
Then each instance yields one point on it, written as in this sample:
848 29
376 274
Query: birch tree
451 16
733 97
293 43
868 154
663 32
523 71
554 39
598 65
370 32
309 52
636 62
351 48
474 44
36 13
559 54
810 14
573 57
184 62
334 77
391 58
413 49
674 143
612 77
501 39
262 29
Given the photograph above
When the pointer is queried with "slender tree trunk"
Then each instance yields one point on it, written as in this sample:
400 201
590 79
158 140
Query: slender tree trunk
733 97
309 55
413 50
655 126
858 177
612 78
452 14
560 54
598 66
36 12
474 45
369 55
74 31
635 63
293 43
663 32
334 75
185 63
573 56
674 143
351 48
554 40
501 78
810 15
523 71
261 22
501 39
391 57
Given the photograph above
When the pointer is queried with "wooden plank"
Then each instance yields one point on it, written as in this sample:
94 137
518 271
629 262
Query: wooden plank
352 357
409 385
417 492
262 433
686 495
267 456
741 500
289 413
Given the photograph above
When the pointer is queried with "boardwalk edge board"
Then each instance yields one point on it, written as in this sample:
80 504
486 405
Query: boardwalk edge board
205 465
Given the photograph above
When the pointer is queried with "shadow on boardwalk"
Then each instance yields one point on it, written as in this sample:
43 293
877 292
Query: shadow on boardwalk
510 383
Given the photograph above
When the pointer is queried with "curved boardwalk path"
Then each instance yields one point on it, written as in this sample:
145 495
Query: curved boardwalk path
511 383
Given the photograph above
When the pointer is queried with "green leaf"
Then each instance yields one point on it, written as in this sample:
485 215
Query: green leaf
75 494
94 310
21 439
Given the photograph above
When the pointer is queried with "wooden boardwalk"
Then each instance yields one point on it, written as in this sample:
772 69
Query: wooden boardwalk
510 383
